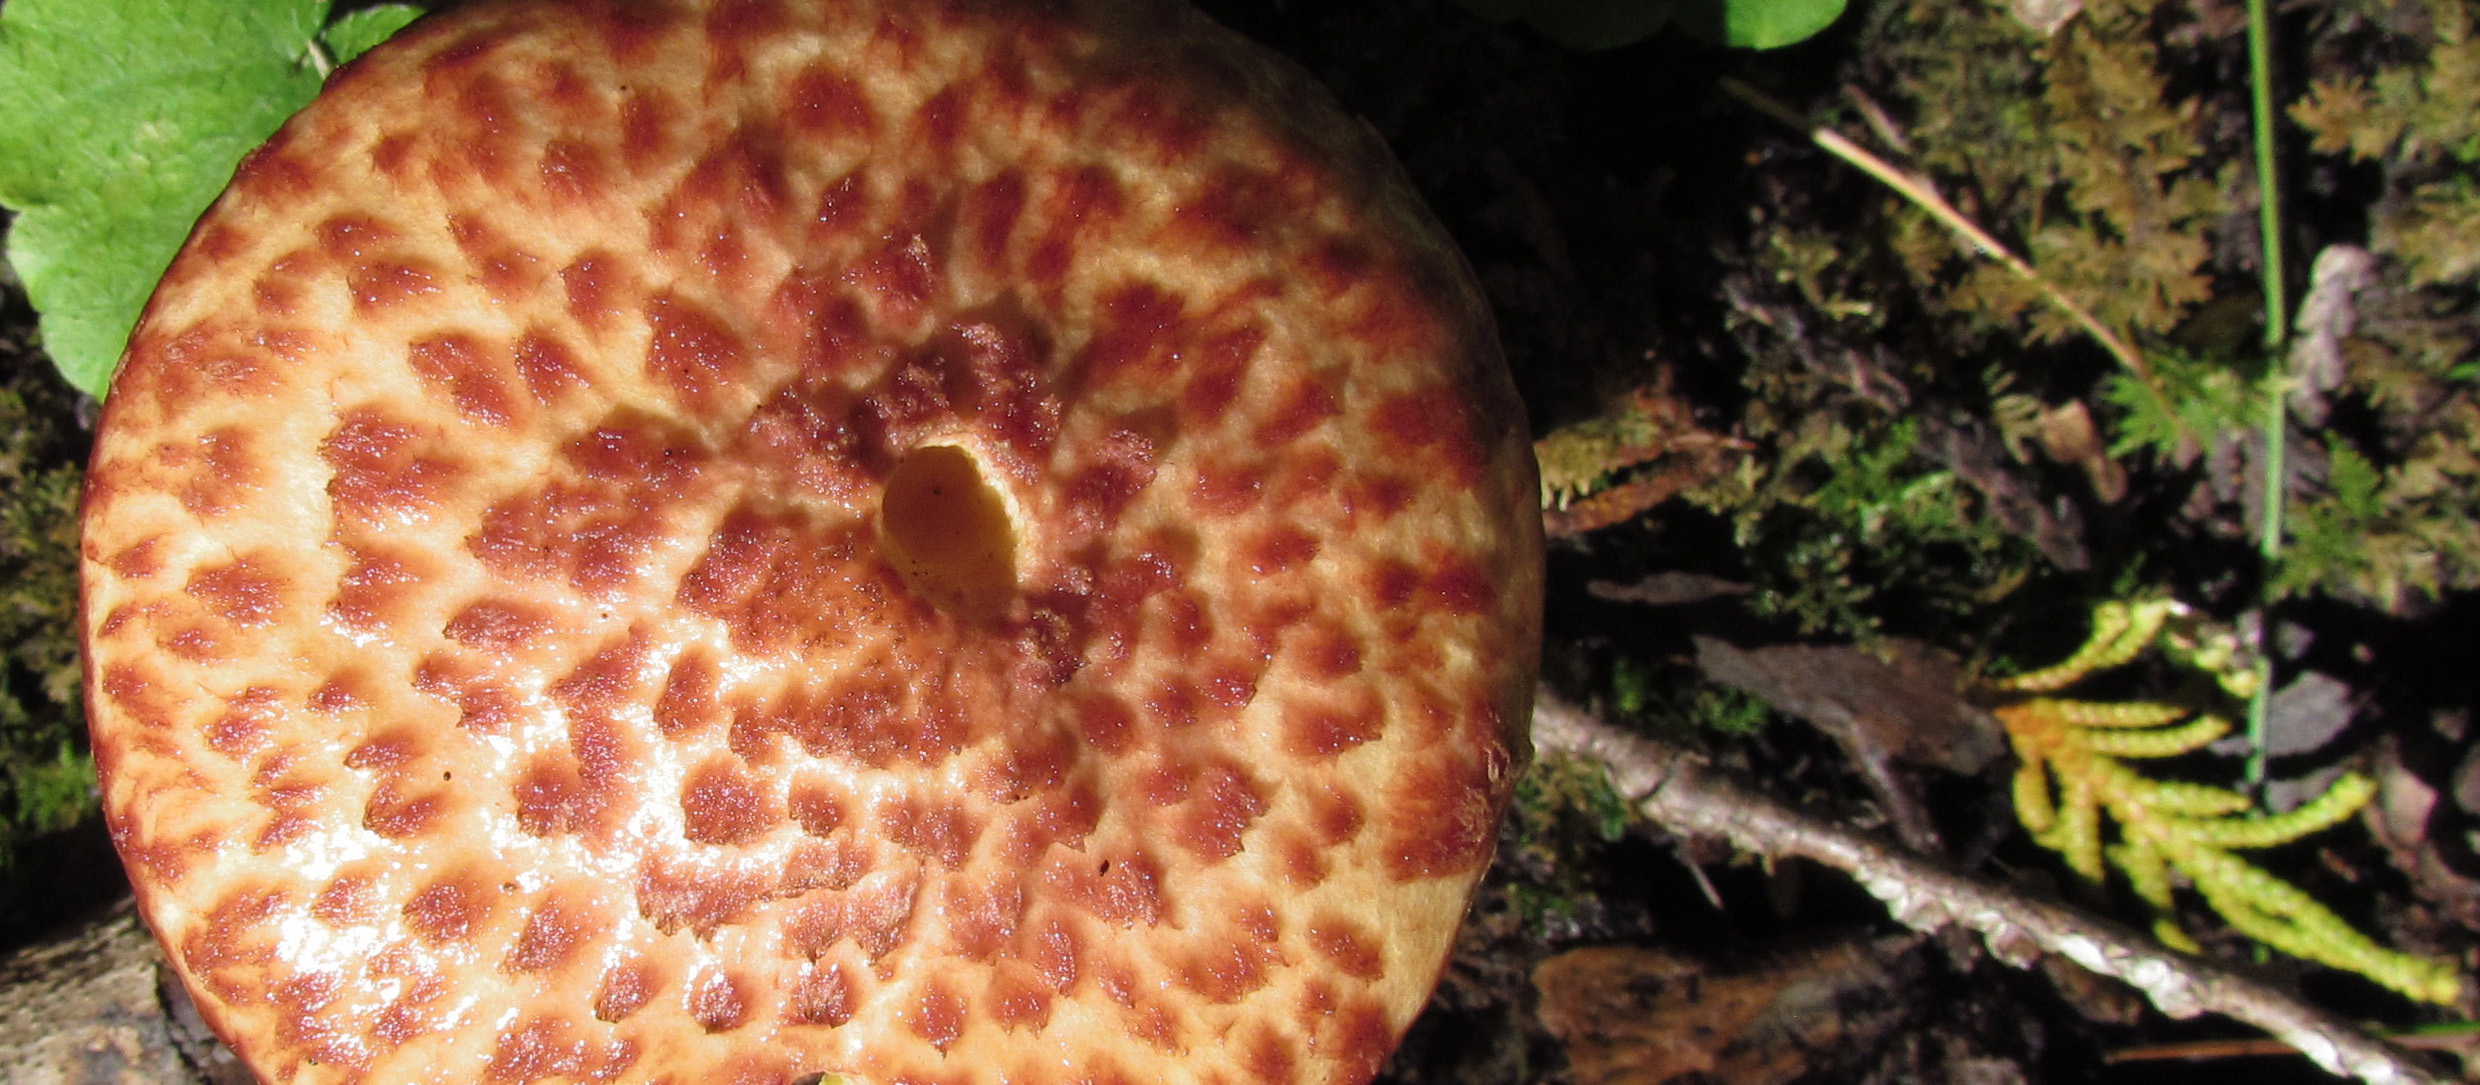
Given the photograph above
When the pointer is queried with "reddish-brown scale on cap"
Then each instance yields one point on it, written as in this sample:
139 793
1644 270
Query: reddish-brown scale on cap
245 723
396 815
458 367
923 540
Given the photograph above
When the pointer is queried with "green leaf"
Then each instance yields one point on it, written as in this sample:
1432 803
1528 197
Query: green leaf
1758 24
1772 24
120 120
354 32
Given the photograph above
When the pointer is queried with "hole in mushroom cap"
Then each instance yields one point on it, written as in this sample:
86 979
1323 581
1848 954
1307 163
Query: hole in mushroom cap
947 533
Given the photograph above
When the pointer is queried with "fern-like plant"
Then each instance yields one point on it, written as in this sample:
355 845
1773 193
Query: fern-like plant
2075 779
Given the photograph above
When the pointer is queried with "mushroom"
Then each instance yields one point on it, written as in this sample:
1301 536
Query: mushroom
725 540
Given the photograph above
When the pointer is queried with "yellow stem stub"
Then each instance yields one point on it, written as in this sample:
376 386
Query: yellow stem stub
948 534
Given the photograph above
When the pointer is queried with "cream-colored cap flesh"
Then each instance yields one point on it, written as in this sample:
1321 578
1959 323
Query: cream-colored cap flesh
923 540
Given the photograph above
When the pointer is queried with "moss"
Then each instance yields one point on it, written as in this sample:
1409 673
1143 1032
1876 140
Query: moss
2415 116
2077 150
1565 815
1849 521
46 777
2073 146
1729 712
2074 781
2394 521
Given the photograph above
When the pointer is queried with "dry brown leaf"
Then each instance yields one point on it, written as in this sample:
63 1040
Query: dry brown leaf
1904 702
2068 436
2402 820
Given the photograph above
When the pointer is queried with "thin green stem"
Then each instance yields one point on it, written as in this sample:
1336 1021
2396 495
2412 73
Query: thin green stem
2268 183
2277 337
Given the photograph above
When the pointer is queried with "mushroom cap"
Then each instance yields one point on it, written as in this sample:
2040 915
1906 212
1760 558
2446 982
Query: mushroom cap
927 540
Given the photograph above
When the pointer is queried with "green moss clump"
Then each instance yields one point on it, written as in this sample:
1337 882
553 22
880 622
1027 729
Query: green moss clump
2072 146
1849 519
2395 520
2415 116
2075 149
1565 814
46 775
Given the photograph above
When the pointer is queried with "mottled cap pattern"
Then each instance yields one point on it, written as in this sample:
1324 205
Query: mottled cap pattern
724 540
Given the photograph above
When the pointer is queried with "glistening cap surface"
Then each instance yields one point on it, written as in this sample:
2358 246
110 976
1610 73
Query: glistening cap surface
931 541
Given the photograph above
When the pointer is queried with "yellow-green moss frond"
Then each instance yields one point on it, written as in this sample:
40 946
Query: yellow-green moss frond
2146 871
2168 932
2078 835
2279 915
2114 716
2149 875
2178 798
2120 632
2216 650
2340 801
2075 782
2158 742
2032 805
2033 733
